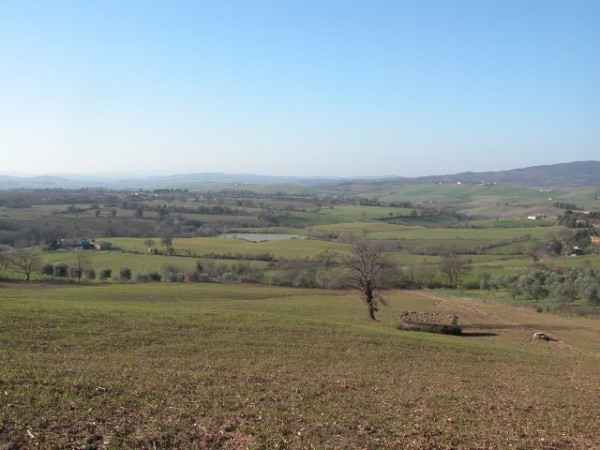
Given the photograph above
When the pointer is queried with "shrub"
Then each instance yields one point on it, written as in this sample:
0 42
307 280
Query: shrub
141 277
533 284
592 294
60 269
228 276
331 279
90 274
124 274
193 275
175 277
154 276
105 273
423 275
172 273
469 285
511 283
47 269
564 290
75 272
484 281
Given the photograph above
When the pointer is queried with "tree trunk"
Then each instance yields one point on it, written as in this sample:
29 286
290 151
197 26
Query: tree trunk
371 311
368 299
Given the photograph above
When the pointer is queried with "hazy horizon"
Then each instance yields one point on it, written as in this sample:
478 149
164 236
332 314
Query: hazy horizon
341 89
108 176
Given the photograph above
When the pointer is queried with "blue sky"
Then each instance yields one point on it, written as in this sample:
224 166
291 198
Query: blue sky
336 88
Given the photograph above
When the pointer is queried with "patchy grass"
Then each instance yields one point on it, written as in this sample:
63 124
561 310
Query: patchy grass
240 366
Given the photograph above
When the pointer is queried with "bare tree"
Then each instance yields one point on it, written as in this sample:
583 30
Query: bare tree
423 275
82 262
536 251
368 268
327 258
453 268
167 241
25 261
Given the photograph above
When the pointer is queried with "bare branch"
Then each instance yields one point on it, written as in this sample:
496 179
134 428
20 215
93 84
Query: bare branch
368 269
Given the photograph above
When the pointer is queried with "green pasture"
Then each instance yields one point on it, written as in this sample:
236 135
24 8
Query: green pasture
427 220
517 212
343 213
218 218
514 248
289 248
362 227
459 246
378 230
467 233
586 198
508 223
32 213
460 193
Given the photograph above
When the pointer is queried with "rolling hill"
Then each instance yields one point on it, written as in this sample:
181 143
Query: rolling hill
572 174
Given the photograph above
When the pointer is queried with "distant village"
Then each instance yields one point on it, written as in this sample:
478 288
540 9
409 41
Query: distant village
79 244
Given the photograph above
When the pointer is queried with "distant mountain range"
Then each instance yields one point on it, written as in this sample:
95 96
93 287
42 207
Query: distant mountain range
149 182
573 174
